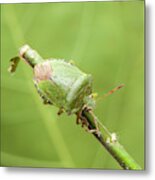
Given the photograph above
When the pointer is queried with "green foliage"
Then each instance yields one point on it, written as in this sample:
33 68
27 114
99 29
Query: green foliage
105 39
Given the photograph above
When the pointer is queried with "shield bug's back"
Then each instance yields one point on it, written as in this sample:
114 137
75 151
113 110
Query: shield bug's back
58 82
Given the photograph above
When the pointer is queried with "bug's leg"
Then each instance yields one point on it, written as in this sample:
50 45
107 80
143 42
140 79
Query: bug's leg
77 120
78 117
95 121
45 100
61 110
85 125
81 119
88 109
84 122
91 131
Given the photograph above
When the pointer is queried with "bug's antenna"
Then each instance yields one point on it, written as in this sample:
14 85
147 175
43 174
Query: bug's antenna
111 91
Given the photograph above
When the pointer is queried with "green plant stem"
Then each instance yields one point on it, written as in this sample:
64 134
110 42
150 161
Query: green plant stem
110 142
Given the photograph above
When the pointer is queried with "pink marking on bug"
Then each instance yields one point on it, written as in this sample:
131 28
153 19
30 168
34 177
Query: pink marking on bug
43 71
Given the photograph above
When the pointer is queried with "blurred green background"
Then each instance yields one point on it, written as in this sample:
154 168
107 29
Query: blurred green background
105 39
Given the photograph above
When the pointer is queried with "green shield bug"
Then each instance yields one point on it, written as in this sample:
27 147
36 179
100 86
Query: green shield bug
59 83
64 85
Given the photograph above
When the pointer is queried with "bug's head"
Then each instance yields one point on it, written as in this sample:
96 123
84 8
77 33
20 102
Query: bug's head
28 55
